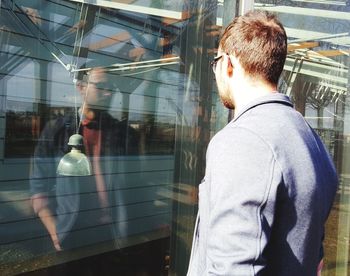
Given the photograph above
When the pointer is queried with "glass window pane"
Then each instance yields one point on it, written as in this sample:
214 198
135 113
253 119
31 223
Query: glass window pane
133 79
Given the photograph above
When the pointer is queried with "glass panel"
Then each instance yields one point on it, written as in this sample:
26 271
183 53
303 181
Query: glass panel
144 5
137 85
316 77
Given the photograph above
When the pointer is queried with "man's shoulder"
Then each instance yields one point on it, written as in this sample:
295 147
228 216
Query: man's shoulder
235 138
260 129
272 121
58 124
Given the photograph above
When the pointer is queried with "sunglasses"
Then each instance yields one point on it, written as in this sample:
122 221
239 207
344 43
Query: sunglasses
103 85
214 62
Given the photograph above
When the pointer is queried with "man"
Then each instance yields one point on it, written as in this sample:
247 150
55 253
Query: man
269 182
77 211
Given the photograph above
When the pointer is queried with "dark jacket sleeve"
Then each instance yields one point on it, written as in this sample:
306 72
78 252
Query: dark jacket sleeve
51 145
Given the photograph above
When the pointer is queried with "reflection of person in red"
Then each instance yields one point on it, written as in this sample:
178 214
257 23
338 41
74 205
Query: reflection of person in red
96 95
75 209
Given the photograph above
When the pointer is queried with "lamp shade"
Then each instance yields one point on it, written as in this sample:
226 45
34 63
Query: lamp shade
74 163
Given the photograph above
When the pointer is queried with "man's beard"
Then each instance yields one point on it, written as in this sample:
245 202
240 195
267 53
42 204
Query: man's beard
226 100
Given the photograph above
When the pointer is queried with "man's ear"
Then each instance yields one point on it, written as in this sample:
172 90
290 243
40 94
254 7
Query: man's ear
229 70
230 65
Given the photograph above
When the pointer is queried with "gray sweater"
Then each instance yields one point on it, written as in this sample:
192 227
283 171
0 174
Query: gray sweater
268 189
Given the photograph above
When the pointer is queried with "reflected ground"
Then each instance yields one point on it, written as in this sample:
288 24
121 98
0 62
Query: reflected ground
335 242
147 259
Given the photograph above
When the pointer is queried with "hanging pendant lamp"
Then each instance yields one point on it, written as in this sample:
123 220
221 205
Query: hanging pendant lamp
74 163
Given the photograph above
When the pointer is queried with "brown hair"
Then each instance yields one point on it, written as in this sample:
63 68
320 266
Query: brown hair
259 41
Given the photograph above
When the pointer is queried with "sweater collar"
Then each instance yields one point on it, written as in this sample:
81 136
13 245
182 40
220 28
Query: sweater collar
271 98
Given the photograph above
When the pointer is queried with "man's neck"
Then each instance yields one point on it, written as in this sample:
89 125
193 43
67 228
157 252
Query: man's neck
248 92
89 114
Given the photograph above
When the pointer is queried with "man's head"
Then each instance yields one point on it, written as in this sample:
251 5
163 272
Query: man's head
250 60
96 89
259 41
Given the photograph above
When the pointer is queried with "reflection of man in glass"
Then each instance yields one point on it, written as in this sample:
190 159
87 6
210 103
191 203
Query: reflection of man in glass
75 209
